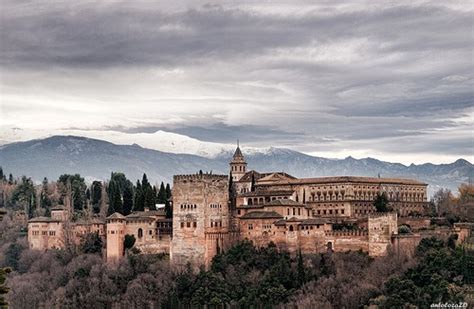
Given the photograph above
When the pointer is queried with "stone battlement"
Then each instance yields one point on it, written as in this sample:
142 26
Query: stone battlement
196 177
383 214
347 233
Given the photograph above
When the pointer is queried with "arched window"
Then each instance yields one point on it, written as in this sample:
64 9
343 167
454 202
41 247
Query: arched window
250 201
291 228
140 233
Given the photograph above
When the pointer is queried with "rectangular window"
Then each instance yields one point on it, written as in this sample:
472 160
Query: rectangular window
182 224
194 224
250 226
188 224
342 211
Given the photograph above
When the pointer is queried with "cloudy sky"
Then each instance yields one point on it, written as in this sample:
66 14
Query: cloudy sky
391 81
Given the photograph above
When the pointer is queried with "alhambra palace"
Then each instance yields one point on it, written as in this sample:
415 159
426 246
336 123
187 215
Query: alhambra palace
212 212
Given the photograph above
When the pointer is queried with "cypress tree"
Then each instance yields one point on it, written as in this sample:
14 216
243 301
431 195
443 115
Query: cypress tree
127 200
139 201
162 194
96 196
168 208
148 194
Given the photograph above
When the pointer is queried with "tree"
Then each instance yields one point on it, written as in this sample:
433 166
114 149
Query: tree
300 269
128 241
91 243
12 255
10 179
96 196
23 196
115 197
161 198
168 208
139 200
72 189
444 201
127 200
3 287
381 202
148 194
45 201
1 174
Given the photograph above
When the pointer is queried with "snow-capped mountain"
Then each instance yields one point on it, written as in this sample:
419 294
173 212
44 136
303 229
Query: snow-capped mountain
96 159
160 140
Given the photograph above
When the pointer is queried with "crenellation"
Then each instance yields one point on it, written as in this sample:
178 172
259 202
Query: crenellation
308 215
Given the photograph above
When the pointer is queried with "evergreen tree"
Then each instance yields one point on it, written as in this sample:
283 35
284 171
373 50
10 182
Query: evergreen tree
110 209
148 194
73 187
96 196
10 179
1 173
91 243
168 208
139 200
127 200
168 191
300 269
45 201
115 198
381 203
3 288
252 185
23 197
162 194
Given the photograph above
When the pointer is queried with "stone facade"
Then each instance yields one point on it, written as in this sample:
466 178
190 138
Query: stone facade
211 212
201 217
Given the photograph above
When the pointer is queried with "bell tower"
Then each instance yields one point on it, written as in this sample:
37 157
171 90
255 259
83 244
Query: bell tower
238 166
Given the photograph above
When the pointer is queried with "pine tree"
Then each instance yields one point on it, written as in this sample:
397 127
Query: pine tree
1 173
10 179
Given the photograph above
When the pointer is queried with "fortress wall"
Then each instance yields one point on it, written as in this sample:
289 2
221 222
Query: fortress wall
200 205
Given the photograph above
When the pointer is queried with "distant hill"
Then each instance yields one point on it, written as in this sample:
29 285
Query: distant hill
96 159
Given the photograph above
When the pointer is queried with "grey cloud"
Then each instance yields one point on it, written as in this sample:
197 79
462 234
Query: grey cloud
408 70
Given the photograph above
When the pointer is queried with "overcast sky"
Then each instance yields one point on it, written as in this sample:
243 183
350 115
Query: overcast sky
391 81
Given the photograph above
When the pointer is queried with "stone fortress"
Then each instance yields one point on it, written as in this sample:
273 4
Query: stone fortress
212 212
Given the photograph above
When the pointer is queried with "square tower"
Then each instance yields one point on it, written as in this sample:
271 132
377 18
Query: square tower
200 217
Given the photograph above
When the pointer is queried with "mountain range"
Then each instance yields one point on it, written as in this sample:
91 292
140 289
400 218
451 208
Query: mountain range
96 159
